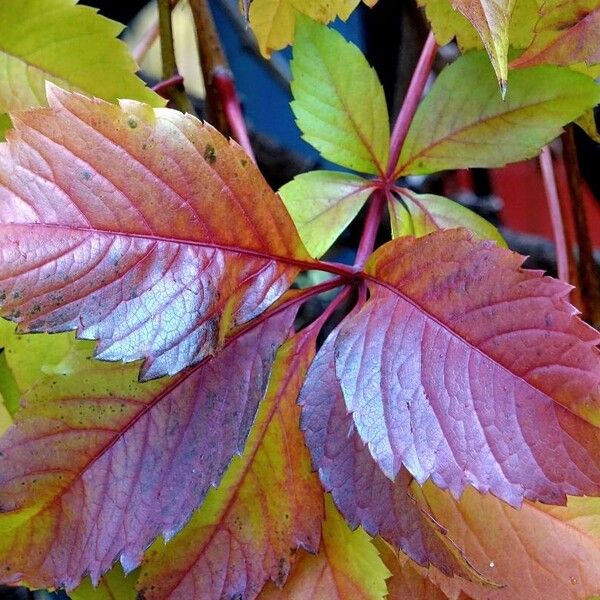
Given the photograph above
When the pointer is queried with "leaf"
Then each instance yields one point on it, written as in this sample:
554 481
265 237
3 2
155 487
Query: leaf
537 552
5 418
338 101
565 34
467 369
420 214
348 566
68 44
406 583
273 20
363 494
448 23
114 585
267 505
459 126
98 465
140 227
322 204
26 359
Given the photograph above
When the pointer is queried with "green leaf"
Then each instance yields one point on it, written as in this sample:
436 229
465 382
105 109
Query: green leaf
463 122
26 359
68 44
322 204
114 585
5 418
338 101
420 214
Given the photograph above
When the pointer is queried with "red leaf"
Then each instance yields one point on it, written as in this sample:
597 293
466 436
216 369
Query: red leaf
465 368
138 227
87 477
363 494
267 505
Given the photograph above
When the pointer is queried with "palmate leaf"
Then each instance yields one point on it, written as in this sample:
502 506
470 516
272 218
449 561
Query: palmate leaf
267 505
338 100
460 126
273 21
466 369
68 44
141 227
98 465
538 551
363 494
420 214
322 204
348 566
566 33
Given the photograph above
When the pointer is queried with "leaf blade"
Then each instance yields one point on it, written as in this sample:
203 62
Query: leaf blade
457 126
267 505
331 79
479 347
153 233
322 204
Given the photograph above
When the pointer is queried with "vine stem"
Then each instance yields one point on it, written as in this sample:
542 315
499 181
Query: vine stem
162 87
370 228
222 103
558 225
411 102
167 53
145 43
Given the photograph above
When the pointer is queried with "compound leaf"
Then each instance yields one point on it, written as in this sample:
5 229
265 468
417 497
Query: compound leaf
538 551
322 204
467 369
460 126
348 566
143 228
338 101
98 465
68 44
267 505
420 214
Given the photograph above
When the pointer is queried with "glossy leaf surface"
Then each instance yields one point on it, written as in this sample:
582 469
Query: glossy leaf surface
267 505
538 551
420 214
467 369
364 495
68 44
347 566
142 228
459 126
98 465
338 101
322 204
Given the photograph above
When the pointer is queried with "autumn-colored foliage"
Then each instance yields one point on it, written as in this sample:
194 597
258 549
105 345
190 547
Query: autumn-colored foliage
433 433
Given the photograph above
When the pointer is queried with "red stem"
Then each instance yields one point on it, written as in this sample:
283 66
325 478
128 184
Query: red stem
162 87
411 102
370 228
558 226
224 85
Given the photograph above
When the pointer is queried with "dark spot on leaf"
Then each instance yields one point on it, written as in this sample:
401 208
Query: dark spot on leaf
244 162
2 296
35 309
16 295
141 595
237 596
282 572
86 175
132 122
209 154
